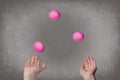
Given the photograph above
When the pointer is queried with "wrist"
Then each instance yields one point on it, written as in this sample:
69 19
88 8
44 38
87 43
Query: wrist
89 77
29 77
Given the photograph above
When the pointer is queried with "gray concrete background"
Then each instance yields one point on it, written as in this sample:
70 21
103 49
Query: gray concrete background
22 22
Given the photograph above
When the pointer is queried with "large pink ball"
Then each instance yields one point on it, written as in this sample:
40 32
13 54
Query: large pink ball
78 36
54 15
38 47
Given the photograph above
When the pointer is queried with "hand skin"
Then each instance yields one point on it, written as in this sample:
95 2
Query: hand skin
33 68
88 69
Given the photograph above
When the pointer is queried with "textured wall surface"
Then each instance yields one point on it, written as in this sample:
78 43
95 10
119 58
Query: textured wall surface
22 22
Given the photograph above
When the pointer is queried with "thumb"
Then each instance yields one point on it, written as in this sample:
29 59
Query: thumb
44 66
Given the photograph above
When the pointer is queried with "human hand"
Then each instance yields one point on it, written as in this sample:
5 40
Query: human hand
88 69
33 68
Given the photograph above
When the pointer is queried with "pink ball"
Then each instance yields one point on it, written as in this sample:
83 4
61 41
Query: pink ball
54 15
38 47
78 36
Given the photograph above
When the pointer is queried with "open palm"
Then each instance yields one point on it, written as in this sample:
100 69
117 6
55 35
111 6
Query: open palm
34 67
89 67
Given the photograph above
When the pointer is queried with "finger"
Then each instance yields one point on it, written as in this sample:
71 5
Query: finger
91 60
86 65
38 63
32 60
28 62
44 66
87 62
39 60
94 62
88 59
36 58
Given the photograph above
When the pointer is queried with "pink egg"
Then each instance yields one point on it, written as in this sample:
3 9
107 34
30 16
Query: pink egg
38 47
54 15
78 36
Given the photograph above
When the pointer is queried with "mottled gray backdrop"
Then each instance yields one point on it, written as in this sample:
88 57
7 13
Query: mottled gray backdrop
22 22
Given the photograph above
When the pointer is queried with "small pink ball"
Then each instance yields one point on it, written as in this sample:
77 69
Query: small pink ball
78 36
38 47
54 15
